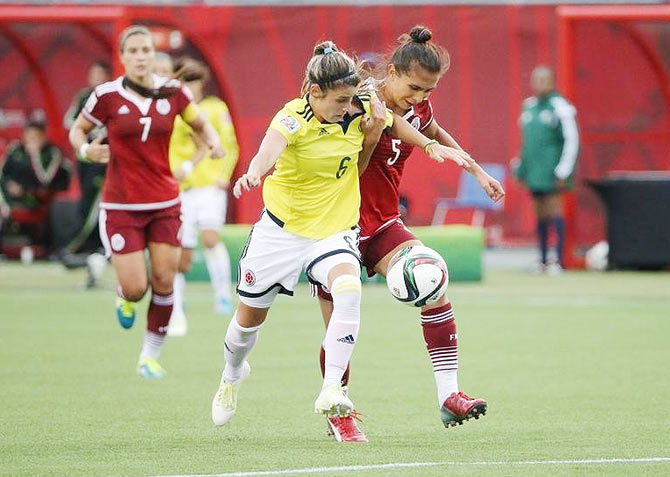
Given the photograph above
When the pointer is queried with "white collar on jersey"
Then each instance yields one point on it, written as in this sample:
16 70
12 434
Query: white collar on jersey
143 104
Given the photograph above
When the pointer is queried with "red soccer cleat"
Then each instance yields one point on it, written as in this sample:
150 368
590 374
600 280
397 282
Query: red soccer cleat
345 429
459 407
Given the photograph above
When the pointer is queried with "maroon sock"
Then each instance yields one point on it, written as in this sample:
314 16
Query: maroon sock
159 313
322 362
439 332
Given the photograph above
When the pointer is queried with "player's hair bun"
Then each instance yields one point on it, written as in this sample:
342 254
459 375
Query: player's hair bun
320 49
415 48
420 34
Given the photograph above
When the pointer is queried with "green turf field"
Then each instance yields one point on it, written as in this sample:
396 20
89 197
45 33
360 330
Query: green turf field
574 368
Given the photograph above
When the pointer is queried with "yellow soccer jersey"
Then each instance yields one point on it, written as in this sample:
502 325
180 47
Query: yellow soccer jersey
182 147
314 188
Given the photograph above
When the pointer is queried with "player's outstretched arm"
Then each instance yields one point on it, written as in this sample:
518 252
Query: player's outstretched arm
492 187
406 133
271 148
94 151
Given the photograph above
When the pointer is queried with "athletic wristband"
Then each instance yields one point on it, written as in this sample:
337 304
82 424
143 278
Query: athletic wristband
83 150
428 144
187 167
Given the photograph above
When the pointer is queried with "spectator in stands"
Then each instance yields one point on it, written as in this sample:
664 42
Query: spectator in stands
550 145
33 170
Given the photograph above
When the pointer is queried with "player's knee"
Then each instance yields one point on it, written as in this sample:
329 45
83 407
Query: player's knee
442 301
162 282
344 285
210 240
185 265
346 293
134 291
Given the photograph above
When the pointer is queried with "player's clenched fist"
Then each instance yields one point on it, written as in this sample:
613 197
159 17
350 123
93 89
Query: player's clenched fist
245 183
98 152
217 151
373 124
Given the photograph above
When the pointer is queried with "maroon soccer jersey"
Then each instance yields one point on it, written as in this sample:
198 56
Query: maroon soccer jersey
381 180
138 175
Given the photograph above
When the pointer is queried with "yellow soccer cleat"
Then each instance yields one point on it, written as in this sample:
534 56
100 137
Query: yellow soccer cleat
150 369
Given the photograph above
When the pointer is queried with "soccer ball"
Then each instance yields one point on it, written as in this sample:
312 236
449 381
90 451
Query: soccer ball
417 276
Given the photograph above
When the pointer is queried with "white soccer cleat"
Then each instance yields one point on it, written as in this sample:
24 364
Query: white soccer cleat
554 269
332 401
224 403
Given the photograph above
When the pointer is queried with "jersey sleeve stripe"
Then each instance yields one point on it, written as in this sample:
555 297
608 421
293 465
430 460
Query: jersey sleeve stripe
91 118
430 121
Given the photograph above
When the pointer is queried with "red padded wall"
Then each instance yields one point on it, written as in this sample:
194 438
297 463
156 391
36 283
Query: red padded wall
258 55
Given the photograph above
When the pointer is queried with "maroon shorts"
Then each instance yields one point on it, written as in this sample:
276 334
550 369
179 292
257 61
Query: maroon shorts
126 231
377 246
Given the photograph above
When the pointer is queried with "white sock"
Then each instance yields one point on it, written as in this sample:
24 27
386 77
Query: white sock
237 346
447 383
178 311
153 343
342 331
218 266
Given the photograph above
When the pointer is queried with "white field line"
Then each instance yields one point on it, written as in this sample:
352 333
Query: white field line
399 465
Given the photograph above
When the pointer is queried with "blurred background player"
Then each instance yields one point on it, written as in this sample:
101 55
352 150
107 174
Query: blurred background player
412 73
312 201
34 169
550 145
81 247
140 205
204 183
163 65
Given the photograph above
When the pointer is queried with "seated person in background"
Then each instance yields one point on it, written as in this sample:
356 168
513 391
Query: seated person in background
33 170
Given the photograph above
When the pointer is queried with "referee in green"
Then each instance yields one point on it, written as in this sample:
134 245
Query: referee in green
550 146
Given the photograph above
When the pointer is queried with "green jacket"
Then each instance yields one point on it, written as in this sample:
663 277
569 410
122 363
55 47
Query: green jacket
39 179
550 142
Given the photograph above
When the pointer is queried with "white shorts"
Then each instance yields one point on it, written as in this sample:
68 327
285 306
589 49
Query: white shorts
273 259
202 208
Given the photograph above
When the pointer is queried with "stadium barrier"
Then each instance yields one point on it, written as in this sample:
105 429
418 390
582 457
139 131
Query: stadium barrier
460 245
